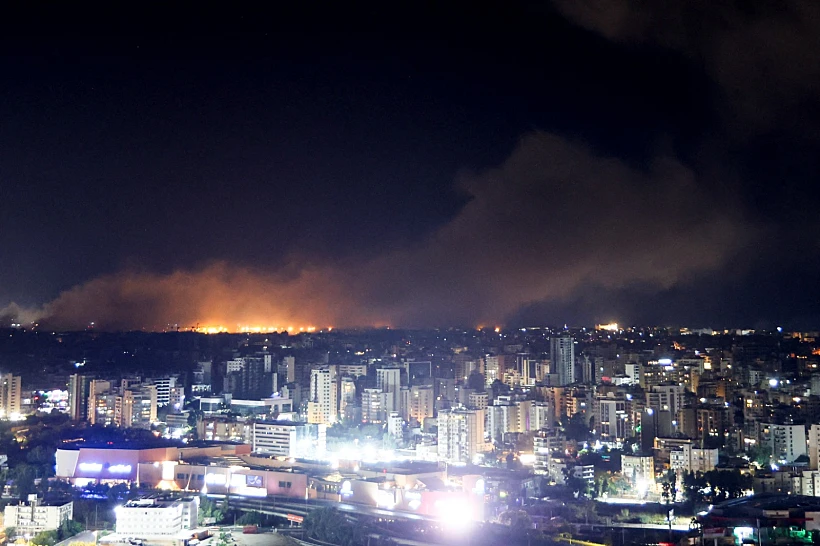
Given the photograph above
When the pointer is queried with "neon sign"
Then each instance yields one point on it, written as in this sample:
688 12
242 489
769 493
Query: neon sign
120 469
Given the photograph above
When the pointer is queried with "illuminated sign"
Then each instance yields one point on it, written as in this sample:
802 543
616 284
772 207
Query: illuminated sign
347 488
91 467
120 469
215 479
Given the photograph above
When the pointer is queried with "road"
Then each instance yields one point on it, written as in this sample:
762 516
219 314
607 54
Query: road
83 537
283 506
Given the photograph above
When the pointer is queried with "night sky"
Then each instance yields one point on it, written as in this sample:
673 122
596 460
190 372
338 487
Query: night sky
539 163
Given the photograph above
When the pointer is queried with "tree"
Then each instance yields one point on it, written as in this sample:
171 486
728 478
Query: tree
223 539
209 512
693 484
670 487
330 525
251 518
69 528
24 476
518 520
46 538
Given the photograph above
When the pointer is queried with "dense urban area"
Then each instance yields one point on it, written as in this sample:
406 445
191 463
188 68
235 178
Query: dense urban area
606 435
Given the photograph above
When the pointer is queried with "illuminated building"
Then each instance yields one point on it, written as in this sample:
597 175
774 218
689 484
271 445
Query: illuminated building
639 469
665 398
388 380
347 394
373 403
289 439
541 416
102 402
612 422
289 363
166 518
78 386
37 516
394 425
460 434
546 445
693 459
322 403
786 442
496 366
420 403
814 447
136 407
224 429
10 395
562 358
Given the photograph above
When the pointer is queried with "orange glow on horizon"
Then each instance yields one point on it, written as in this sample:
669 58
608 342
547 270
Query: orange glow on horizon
254 329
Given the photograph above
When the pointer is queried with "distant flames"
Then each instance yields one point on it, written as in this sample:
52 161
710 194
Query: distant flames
257 329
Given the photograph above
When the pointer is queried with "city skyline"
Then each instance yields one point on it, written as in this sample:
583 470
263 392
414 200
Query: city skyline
569 163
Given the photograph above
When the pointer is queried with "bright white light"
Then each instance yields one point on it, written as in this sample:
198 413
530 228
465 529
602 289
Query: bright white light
773 382
527 459
90 467
665 361
479 486
454 513
218 479
641 486
120 469
347 488
743 533
168 468
385 499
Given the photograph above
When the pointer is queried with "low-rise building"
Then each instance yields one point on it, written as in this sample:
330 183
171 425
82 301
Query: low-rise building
157 517
37 516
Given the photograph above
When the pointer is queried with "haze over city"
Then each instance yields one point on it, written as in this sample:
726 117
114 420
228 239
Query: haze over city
565 163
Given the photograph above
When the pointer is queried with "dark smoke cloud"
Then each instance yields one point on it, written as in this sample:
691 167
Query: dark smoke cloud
764 55
553 219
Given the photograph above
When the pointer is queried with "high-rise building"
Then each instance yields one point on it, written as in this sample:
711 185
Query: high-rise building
460 434
322 402
693 459
78 396
10 395
289 362
562 358
373 402
786 442
389 381
136 407
421 403
164 386
289 439
814 447
347 394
